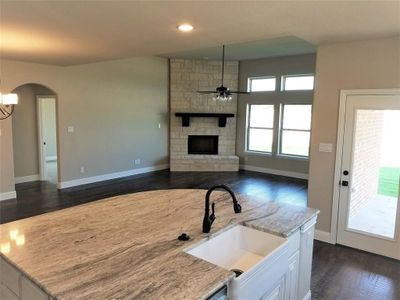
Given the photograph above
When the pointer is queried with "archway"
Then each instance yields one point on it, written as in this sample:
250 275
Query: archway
35 145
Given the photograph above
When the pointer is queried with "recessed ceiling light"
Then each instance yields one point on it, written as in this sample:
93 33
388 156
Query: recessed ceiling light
185 27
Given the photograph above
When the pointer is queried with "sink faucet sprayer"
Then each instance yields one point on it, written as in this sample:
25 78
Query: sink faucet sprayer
209 219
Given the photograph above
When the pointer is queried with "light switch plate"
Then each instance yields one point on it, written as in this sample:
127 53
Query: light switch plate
70 129
325 147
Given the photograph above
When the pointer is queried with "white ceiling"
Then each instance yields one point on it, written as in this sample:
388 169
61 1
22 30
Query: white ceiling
74 32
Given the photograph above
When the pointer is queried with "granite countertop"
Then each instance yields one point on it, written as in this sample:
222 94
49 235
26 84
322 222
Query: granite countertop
126 246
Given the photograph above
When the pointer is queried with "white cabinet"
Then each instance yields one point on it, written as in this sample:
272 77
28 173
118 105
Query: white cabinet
278 292
306 254
292 277
298 275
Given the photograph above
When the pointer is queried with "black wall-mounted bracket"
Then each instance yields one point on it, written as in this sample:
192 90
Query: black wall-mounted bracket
186 117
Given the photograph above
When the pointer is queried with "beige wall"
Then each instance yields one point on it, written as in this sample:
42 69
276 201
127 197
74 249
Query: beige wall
6 158
367 64
25 138
114 106
296 64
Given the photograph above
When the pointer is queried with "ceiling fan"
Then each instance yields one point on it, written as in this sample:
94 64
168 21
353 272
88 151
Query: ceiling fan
222 93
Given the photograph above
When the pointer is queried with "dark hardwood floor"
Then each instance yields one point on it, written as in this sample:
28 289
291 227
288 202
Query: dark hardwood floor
37 197
344 273
338 272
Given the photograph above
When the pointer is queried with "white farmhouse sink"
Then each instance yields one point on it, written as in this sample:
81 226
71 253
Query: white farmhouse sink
262 257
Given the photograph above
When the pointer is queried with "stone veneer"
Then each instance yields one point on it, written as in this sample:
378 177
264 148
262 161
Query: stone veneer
187 77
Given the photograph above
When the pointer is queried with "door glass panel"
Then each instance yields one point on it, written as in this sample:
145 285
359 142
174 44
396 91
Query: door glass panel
375 172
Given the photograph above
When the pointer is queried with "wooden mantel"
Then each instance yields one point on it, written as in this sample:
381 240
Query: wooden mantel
221 117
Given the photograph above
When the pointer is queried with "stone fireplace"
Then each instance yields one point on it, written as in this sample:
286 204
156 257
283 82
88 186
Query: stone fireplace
206 141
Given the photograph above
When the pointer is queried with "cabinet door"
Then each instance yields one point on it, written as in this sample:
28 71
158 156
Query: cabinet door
292 277
277 293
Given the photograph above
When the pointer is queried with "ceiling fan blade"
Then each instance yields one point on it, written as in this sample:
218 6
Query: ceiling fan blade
207 92
239 92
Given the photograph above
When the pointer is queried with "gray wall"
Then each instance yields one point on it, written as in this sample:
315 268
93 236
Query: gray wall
114 106
298 64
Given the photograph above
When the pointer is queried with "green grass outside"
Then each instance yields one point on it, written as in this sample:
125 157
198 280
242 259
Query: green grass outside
389 181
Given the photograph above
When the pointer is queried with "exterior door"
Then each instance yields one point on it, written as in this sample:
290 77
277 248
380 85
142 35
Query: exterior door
369 204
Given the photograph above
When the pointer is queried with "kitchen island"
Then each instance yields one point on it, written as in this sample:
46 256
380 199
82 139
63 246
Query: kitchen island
126 247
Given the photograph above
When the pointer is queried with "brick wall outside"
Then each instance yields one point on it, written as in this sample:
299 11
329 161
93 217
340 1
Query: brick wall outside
186 78
366 159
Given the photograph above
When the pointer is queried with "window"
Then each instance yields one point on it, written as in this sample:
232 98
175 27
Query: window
260 123
261 84
295 130
297 82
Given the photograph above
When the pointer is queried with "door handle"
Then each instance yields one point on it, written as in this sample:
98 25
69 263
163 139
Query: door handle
344 183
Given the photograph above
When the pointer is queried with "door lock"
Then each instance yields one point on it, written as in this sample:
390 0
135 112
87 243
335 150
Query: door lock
344 183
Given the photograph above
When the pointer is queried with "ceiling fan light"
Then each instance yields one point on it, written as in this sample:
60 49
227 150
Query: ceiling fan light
9 99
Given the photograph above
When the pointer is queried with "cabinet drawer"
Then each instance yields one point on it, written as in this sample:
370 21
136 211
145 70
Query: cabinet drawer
10 276
30 291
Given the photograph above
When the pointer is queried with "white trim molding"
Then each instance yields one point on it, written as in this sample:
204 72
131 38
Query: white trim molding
8 195
274 171
324 236
29 178
51 158
87 180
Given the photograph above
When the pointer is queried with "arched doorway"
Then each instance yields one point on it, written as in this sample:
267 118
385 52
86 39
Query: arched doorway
34 125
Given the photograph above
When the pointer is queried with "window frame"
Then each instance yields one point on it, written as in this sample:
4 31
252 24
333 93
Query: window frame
281 129
249 80
283 81
248 127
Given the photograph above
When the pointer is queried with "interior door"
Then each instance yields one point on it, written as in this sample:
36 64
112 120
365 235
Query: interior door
369 217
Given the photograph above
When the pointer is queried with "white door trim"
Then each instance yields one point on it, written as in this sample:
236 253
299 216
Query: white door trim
339 148
42 154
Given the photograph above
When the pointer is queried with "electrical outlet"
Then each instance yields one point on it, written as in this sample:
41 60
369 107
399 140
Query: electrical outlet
82 169
159 125
137 161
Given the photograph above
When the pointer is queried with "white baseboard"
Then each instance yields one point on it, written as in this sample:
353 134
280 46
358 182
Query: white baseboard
87 180
23 179
274 171
51 158
8 195
323 236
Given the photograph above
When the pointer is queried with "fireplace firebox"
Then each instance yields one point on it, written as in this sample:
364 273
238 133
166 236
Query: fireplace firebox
203 144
